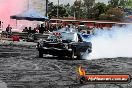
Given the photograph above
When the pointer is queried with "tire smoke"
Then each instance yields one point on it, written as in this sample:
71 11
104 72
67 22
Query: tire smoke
112 43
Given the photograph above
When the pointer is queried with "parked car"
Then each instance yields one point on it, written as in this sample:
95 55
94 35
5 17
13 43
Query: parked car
63 44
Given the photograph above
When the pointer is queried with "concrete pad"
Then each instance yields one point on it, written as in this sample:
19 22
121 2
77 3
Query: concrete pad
3 84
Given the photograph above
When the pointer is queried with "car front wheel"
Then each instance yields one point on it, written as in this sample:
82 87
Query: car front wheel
81 55
40 54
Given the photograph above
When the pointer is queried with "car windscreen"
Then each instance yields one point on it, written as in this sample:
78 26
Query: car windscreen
69 36
82 28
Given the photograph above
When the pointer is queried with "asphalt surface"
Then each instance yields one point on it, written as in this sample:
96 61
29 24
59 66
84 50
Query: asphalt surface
20 67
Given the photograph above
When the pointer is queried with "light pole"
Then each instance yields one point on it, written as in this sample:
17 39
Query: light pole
57 14
47 8
58 10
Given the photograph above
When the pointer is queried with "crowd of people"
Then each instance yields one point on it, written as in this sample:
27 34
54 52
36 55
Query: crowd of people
8 32
49 28
39 29
44 28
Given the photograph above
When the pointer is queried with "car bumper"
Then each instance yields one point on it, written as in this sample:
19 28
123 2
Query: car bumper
55 51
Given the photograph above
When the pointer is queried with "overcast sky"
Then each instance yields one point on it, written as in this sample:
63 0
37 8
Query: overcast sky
72 1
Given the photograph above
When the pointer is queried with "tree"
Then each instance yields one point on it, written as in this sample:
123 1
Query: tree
50 7
77 10
114 3
98 9
89 5
77 6
72 11
118 3
68 10
129 4
104 16
114 14
82 9
52 10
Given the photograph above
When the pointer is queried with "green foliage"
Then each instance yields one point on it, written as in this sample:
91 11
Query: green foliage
118 3
82 8
68 10
99 9
114 3
113 14
88 9
77 9
129 4
88 4
52 10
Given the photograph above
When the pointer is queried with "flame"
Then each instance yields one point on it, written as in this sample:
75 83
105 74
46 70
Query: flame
81 71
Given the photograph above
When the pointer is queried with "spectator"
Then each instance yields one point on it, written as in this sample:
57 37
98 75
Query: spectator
41 29
30 30
54 28
68 28
25 29
8 28
46 28
51 28
34 31
8 31
59 27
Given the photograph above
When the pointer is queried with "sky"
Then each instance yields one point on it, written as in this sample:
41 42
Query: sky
72 1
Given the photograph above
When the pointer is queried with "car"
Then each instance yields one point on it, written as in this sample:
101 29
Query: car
62 44
84 29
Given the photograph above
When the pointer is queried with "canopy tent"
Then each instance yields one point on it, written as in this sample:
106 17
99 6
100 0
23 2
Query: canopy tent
31 15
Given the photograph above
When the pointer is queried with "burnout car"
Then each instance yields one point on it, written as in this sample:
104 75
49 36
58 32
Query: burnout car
70 44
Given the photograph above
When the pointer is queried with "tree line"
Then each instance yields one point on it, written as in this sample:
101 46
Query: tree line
88 9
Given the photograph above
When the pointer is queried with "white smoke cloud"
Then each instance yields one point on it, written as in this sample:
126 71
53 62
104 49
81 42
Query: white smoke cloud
115 42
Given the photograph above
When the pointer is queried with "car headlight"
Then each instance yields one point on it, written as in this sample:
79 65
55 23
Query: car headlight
41 43
69 46
37 46
66 46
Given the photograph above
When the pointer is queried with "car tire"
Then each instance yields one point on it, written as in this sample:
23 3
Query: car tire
40 54
81 54
73 55
89 50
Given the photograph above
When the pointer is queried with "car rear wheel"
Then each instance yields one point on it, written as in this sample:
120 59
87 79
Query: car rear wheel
81 55
73 55
40 54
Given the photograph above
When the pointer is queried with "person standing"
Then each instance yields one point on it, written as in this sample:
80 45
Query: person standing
41 29
8 31
29 30
8 28
25 29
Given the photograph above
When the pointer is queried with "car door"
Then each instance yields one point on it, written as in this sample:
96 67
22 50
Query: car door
81 46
